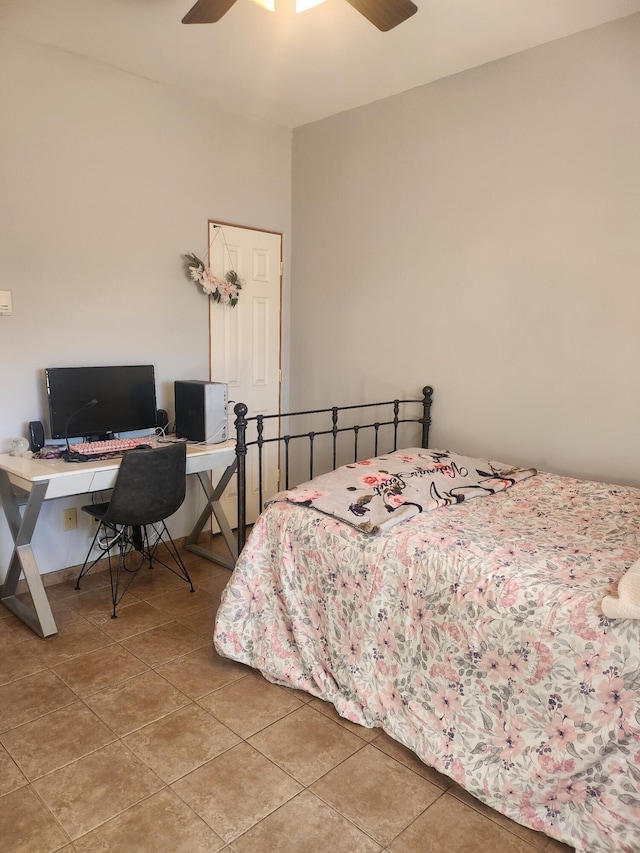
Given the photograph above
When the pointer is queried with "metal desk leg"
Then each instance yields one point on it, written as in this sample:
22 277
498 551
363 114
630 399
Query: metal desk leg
39 617
213 506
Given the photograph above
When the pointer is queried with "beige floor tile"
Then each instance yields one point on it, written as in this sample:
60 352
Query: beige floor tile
204 574
216 584
133 619
26 826
50 742
250 704
11 777
94 789
67 589
410 759
202 621
164 643
155 581
179 603
202 671
94 671
15 625
63 614
72 639
305 825
97 602
305 698
214 580
163 823
329 710
554 846
136 703
455 827
377 793
306 744
183 740
18 662
536 839
31 697
236 790
7 637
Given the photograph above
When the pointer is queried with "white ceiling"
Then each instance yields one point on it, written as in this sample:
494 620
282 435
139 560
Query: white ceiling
293 68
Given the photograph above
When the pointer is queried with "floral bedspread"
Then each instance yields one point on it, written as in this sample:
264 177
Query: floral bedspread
376 494
473 635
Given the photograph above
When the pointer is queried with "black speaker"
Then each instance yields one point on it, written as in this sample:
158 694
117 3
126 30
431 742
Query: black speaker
36 436
162 419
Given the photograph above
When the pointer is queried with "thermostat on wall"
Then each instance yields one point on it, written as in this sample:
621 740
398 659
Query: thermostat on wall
5 302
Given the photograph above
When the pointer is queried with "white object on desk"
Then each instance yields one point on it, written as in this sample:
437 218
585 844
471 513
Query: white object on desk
47 479
20 447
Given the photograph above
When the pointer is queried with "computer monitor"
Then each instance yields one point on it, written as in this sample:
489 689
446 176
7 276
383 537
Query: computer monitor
97 402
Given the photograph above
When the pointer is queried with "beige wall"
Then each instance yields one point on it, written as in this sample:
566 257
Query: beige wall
105 180
482 234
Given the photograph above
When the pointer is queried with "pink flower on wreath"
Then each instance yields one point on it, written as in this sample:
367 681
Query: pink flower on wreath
210 282
227 291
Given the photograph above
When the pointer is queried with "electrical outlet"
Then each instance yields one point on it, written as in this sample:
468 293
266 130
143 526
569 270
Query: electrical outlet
70 519
93 521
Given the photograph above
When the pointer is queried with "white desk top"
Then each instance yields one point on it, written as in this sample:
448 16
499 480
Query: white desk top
76 478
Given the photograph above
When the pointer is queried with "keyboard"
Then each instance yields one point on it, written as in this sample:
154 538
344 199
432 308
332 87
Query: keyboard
113 445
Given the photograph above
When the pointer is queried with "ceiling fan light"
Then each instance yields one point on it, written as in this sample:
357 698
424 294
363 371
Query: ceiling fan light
267 4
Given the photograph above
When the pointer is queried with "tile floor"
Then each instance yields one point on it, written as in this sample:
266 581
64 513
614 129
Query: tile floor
134 735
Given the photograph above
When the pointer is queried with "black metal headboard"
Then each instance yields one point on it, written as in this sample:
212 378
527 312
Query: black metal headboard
394 413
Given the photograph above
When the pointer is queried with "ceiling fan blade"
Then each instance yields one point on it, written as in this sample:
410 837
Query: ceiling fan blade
385 14
207 11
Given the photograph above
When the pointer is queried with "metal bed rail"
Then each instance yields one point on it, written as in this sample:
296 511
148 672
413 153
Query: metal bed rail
396 417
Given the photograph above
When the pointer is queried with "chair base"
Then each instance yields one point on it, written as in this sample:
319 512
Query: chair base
132 543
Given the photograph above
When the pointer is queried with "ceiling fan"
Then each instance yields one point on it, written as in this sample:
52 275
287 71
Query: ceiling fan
383 14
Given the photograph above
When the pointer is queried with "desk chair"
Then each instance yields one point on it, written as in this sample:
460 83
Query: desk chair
150 487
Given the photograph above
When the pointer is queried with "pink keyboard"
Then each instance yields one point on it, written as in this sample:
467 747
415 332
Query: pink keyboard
113 445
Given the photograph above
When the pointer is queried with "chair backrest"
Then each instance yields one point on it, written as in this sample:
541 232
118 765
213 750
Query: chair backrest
150 485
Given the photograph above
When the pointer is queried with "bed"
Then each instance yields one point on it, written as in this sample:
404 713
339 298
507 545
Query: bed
472 634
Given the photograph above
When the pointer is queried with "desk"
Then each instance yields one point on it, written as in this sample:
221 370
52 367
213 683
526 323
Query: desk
47 479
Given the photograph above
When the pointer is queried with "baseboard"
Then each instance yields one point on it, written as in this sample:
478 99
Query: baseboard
72 572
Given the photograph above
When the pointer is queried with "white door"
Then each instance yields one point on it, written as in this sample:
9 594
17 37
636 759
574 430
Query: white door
245 343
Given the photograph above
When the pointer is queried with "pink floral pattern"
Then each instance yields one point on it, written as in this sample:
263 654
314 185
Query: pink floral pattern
474 636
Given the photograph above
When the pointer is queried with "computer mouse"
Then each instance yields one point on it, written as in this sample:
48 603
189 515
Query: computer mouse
143 447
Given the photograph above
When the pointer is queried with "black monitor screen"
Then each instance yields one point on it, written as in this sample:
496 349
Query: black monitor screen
100 401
